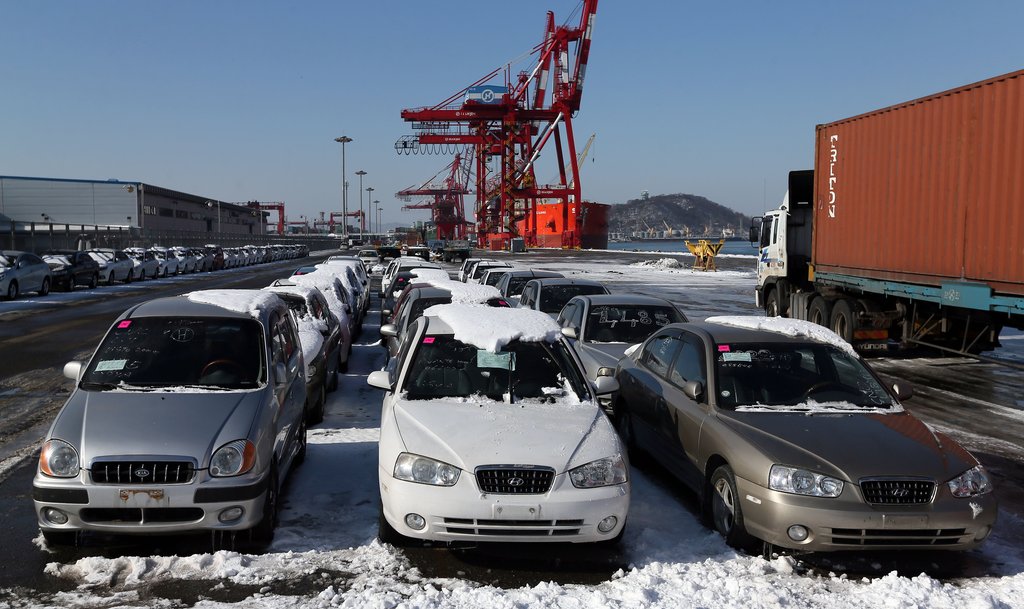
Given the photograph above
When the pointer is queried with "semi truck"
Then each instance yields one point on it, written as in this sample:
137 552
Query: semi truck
909 230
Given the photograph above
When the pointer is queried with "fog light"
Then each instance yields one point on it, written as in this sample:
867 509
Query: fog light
415 521
797 532
607 524
983 533
55 516
230 514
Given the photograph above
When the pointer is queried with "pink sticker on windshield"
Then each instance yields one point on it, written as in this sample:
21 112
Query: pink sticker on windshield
428 340
724 348
124 324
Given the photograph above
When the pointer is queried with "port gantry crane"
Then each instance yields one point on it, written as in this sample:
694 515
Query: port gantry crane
511 124
275 206
447 203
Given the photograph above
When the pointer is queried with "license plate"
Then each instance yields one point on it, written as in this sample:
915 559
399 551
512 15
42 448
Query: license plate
904 522
503 511
142 497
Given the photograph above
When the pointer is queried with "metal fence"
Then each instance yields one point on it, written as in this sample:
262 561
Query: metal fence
41 236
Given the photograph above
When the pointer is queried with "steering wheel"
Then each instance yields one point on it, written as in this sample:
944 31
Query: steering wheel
231 365
815 388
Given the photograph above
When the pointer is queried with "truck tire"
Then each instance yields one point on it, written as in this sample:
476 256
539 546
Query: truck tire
820 312
844 319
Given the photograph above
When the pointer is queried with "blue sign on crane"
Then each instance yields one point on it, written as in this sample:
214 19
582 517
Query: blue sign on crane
486 94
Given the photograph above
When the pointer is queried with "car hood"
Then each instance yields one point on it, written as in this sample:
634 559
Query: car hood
469 434
853 446
112 423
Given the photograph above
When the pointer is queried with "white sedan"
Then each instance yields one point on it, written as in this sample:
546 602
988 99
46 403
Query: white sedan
491 432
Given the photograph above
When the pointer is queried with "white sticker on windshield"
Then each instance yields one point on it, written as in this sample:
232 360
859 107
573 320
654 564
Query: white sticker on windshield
504 361
111 364
736 356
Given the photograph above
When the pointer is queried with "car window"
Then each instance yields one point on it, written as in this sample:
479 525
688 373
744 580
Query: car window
689 364
784 375
566 314
527 298
554 297
172 351
658 354
444 367
627 323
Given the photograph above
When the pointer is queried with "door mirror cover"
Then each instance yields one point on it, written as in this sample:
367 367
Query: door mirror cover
379 379
605 385
73 370
694 390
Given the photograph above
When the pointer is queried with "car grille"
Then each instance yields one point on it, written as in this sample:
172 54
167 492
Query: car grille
897 537
520 480
898 492
142 472
512 528
141 515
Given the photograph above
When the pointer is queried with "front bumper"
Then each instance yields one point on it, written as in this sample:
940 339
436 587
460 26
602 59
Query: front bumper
462 513
847 522
148 509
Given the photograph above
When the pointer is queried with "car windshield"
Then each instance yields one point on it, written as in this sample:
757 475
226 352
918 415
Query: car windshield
516 284
793 376
150 352
627 323
6 261
57 258
538 371
554 297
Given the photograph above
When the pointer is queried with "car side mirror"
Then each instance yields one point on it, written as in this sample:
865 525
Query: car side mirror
903 390
605 385
389 330
694 390
605 371
379 379
280 374
570 332
385 312
73 370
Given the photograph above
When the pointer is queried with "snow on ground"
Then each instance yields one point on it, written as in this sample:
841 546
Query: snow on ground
327 539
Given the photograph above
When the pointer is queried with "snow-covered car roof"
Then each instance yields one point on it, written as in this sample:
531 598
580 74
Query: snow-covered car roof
255 303
467 293
793 328
429 273
491 328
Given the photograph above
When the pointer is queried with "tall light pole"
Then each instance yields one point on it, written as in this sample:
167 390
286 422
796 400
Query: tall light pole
344 183
369 193
377 205
209 205
361 173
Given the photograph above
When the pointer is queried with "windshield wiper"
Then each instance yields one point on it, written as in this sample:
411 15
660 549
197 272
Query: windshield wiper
98 386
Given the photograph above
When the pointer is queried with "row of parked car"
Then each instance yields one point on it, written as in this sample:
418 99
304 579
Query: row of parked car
518 424
229 381
22 272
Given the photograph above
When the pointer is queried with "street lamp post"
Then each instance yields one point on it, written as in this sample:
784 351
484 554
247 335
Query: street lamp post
377 205
209 205
361 173
369 193
344 183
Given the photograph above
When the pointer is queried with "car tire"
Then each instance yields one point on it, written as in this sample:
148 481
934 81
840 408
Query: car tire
45 288
387 533
771 304
844 321
128 277
317 414
334 381
263 532
725 510
624 425
12 290
60 538
820 312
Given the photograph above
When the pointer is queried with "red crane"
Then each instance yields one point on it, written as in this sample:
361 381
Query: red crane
352 214
276 206
446 206
511 124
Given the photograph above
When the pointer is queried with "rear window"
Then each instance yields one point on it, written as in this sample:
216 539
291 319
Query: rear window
554 297
627 324
170 352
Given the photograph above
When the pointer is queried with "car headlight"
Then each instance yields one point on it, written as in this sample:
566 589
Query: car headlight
603 472
233 459
974 481
424 470
803 482
58 459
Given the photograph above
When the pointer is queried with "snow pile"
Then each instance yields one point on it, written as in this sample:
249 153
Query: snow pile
784 326
466 293
251 302
491 328
661 264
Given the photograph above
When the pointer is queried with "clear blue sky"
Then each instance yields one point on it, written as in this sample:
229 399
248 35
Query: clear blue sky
242 100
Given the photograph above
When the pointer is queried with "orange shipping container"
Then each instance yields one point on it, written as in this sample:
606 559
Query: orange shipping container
926 191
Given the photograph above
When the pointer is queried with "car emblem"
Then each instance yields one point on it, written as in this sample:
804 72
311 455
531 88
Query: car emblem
516 481
141 473
900 492
183 335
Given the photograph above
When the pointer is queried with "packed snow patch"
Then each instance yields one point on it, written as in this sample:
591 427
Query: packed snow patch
491 328
787 327
661 263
